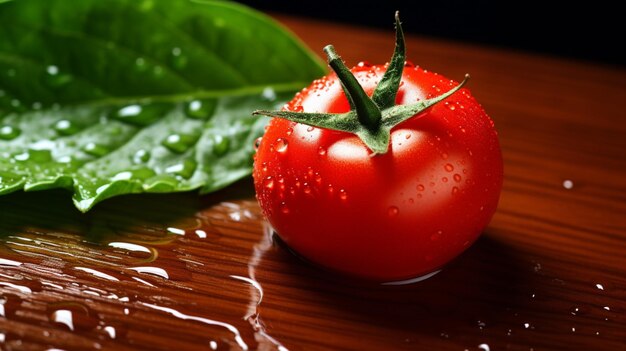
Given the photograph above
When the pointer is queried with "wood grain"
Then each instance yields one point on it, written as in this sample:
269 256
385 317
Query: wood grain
549 273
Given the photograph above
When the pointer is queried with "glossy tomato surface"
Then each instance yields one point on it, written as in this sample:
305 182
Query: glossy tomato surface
384 217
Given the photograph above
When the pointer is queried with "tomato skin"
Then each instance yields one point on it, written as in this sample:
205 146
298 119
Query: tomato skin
391 216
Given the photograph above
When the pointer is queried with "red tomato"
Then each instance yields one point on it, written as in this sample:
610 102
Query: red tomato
391 216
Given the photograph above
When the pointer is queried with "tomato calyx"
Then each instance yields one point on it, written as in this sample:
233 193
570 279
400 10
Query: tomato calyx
371 119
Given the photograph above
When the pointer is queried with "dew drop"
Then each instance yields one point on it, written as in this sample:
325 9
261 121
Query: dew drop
393 211
283 208
411 201
455 190
280 145
141 156
343 195
364 64
457 177
420 187
450 106
269 94
65 127
568 184
289 131
74 316
184 169
9 132
297 108
407 136
444 156
330 189
268 182
179 143
257 143
321 151
310 129
408 64
96 150
221 145
448 167
318 178
306 188
200 109
54 78
139 115
178 60
444 179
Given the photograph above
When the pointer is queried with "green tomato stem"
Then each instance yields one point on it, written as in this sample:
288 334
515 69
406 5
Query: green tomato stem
367 112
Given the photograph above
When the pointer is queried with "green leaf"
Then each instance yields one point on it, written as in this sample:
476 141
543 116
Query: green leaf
122 96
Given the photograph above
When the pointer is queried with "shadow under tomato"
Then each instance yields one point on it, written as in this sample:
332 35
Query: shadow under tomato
479 290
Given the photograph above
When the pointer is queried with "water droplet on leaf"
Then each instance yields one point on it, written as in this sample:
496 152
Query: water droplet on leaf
200 109
96 150
65 127
221 145
9 132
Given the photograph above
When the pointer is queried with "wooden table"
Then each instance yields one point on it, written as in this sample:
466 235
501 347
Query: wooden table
185 272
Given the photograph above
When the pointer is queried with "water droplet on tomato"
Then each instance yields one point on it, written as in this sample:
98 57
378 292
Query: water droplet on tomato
457 177
289 131
318 178
409 64
306 188
9 132
411 201
269 182
330 189
393 211
321 151
420 187
462 129
257 143
280 145
343 195
297 108
283 208
444 179
431 184
264 166
364 64
455 190
407 136
310 129
450 105
448 167
444 156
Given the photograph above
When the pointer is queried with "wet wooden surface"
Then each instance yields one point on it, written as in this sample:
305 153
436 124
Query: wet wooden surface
182 272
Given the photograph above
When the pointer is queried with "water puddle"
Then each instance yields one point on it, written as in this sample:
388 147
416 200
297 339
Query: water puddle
191 273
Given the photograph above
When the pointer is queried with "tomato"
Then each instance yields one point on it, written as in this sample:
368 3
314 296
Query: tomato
388 216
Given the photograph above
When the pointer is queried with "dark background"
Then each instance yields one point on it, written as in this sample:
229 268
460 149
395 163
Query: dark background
593 31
